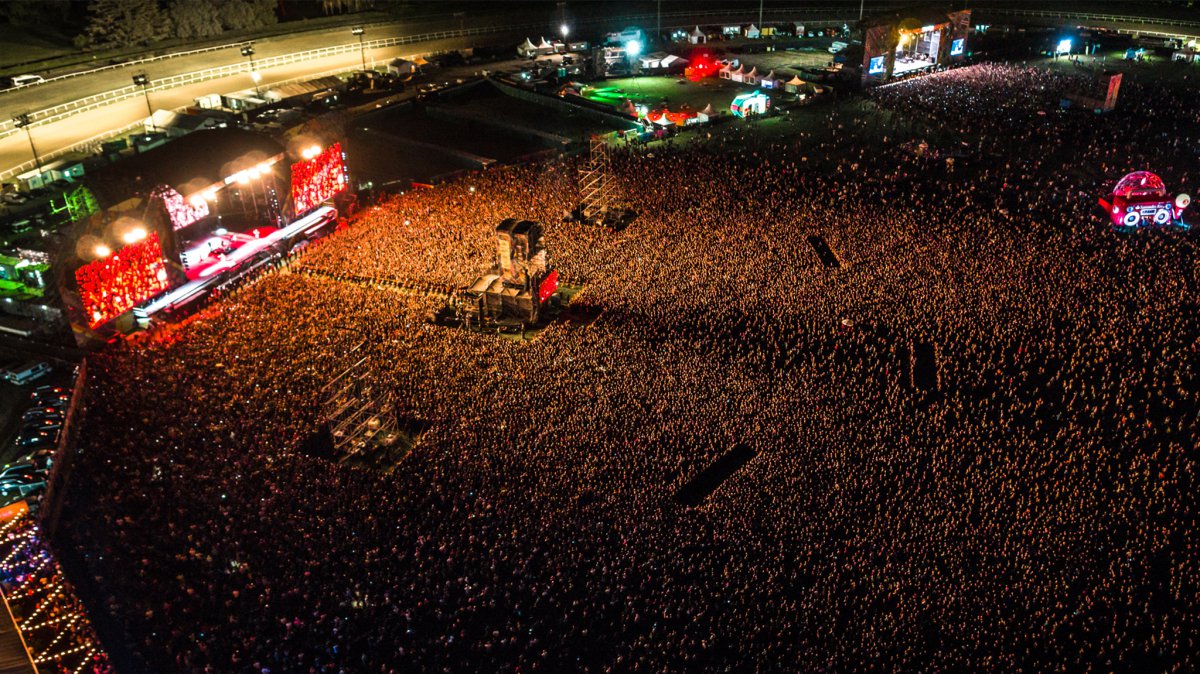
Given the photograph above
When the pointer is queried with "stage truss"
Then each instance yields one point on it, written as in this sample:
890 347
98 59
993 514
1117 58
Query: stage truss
595 179
360 416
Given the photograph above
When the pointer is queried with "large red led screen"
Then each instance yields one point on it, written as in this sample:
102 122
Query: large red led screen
317 179
113 285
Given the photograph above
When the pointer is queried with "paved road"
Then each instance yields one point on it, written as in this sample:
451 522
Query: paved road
84 126
55 92
93 124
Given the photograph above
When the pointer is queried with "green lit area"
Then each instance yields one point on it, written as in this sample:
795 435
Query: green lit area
22 279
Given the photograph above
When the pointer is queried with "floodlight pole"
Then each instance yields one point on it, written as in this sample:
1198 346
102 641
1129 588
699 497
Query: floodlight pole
141 80
22 121
861 3
362 50
248 52
760 12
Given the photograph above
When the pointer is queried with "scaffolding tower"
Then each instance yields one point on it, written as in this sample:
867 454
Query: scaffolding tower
359 416
595 180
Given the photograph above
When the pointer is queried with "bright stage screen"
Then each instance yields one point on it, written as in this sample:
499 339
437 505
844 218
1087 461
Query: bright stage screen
549 285
878 65
317 179
113 285
956 47
181 212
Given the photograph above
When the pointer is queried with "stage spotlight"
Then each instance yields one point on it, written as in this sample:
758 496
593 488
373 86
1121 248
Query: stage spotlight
633 48
134 235
103 250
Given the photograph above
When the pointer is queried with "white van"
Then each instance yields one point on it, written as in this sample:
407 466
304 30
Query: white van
26 80
23 374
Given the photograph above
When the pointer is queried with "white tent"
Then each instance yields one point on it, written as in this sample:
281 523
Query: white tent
793 85
708 111
770 81
526 49
752 31
738 75
671 61
726 72
752 77
545 47
697 36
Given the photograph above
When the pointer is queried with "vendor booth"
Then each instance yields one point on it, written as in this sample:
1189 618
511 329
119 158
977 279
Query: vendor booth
750 104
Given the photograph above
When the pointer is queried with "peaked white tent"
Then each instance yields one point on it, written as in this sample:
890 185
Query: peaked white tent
752 31
752 77
526 48
697 36
793 85
770 81
738 75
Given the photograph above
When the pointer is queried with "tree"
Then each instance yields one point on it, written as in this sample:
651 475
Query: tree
48 13
125 23
195 19
246 14
345 6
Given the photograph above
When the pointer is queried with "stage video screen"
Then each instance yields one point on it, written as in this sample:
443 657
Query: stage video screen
878 65
113 285
957 46
318 179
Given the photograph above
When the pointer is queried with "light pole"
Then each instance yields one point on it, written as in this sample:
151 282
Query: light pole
861 3
22 121
248 52
760 23
362 50
142 81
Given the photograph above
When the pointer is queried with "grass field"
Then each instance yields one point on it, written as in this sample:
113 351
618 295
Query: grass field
22 46
654 91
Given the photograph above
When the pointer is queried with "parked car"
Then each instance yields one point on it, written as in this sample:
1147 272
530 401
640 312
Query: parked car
27 372
35 413
42 459
38 425
19 469
56 400
25 80
37 440
22 487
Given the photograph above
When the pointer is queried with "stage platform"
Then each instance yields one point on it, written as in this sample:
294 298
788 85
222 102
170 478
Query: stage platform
14 659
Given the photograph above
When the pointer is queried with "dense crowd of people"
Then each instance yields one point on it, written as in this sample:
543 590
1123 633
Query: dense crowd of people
1033 512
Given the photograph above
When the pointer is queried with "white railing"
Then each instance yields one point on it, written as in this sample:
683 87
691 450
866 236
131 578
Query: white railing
61 111
1089 16
64 110
92 144
58 112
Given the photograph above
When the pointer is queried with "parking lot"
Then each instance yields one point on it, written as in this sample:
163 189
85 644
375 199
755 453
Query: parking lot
34 397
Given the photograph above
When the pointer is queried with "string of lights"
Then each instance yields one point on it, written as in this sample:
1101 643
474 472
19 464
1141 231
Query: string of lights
35 587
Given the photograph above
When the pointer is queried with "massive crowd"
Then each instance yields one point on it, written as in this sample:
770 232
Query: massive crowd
1033 513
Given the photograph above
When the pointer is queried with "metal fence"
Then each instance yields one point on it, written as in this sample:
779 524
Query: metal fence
1089 16
63 110
92 144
